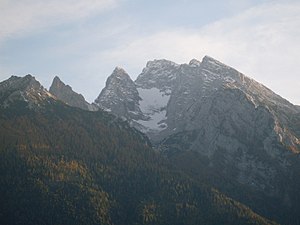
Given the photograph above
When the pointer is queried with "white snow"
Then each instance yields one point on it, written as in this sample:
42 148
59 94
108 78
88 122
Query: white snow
229 79
153 122
133 112
211 75
23 96
153 104
214 63
106 109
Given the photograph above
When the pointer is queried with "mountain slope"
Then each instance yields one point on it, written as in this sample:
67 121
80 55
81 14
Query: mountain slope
63 165
66 94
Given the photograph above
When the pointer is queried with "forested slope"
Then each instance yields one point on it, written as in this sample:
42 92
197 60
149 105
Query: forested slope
62 165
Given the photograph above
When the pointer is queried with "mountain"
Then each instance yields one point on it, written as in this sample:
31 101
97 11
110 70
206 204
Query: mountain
223 128
66 94
25 89
63 165
120 95
142 103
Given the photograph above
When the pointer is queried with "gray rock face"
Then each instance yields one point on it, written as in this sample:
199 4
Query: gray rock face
25 89
66 94
160 74
120 96
198 89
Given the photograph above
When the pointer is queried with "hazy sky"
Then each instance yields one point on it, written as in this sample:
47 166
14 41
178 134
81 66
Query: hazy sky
82 41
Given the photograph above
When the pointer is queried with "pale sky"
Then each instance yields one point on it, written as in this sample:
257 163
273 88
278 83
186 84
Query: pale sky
82 41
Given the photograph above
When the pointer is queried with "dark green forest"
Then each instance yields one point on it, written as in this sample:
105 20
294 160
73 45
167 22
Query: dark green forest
63 165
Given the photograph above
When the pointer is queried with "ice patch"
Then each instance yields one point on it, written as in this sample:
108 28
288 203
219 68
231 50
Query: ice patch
154 122
106 109
153 105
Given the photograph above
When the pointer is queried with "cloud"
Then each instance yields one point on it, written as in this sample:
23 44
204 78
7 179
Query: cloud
19 18
262 42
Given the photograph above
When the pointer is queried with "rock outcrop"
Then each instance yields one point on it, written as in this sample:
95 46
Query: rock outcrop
65 93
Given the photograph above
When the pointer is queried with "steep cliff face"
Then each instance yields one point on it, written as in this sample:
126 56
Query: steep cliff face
197 86
65 93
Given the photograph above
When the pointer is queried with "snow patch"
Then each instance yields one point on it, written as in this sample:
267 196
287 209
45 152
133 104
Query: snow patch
155 121
153 105
229 79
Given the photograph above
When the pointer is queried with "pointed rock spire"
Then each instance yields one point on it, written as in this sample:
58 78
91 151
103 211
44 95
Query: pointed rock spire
120 95
194 63
65 93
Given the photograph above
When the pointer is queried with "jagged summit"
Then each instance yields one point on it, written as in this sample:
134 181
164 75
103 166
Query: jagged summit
208 58
194 63
159 62
57 82
25 88
56 85
15 82
119 70
159 74
118 77
120 95
65 93
120 73
212 64
56 79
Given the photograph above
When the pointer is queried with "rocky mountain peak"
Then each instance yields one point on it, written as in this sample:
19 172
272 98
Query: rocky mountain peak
118 68
25 88
65 93
209 59
194 63
120 72
158 63
120 95
218 68
21 83
159 74
57 82
119 77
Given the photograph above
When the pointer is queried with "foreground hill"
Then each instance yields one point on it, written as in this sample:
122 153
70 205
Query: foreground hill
64 165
